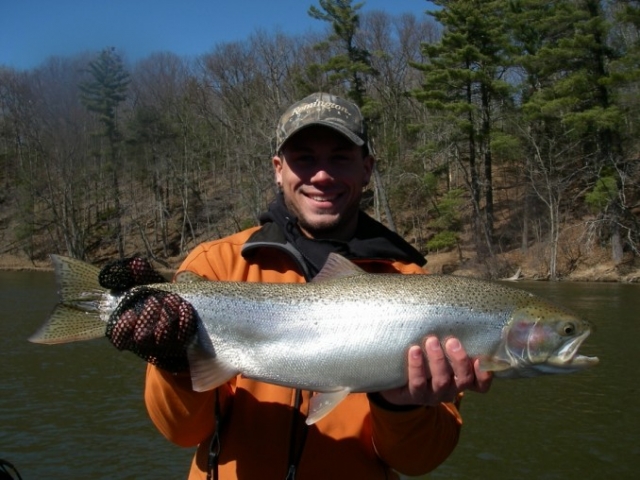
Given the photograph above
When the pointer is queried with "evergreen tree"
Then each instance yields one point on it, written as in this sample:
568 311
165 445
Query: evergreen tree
351 65
464 79
106 89
569 94
537 27
102 95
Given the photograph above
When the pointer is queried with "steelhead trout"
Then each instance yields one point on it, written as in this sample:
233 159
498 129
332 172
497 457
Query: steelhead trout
346 331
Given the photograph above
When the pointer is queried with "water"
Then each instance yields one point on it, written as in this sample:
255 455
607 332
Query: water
581 426
76 410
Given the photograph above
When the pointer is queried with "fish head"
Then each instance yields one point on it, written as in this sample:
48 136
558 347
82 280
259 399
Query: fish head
541 338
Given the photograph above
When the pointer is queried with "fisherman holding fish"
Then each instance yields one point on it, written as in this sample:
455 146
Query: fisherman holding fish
294 349
279 356
250 429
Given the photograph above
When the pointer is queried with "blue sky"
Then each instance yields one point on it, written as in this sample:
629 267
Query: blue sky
33 30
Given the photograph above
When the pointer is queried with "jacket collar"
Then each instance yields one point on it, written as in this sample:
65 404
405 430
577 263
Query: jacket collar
372 240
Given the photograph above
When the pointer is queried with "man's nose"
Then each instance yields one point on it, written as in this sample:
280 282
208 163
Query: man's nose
322 174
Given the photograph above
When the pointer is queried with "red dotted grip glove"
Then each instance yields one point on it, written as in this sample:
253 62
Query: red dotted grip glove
154 324
129 272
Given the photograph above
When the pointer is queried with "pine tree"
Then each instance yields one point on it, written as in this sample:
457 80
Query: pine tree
352 64
568 99
106 89
102 95
464 79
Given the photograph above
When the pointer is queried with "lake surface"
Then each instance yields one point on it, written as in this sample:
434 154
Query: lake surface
76 410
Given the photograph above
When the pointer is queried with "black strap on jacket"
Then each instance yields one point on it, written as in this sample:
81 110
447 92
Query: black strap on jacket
214 447
296 439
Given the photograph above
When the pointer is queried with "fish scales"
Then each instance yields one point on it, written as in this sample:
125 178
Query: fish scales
265 329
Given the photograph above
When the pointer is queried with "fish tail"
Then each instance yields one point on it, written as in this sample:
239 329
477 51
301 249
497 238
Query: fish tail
77 316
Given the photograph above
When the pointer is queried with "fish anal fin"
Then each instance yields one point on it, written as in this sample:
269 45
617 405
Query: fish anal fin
337 266
322 403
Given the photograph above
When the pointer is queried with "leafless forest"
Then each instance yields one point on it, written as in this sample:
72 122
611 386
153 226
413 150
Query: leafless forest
497 126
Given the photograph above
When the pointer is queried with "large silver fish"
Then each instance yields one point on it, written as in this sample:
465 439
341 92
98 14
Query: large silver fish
346 331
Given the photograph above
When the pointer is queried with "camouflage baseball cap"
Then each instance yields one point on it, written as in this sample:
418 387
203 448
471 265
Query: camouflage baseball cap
322 109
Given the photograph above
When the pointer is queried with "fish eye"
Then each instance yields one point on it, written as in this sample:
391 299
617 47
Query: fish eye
569 328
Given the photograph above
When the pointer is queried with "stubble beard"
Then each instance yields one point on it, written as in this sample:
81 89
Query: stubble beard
326 228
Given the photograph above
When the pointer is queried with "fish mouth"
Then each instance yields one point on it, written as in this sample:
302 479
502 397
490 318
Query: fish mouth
567 356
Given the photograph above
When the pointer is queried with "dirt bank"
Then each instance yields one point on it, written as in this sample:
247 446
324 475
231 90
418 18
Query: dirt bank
518 266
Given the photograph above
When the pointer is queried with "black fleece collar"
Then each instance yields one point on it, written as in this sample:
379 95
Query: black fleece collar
372 240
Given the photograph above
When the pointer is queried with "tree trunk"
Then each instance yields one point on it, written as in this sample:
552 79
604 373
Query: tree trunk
381 198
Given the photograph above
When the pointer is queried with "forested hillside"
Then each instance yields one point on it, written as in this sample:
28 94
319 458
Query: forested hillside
498 126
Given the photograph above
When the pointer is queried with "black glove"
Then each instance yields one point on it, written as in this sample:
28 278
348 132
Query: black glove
154 324
129 272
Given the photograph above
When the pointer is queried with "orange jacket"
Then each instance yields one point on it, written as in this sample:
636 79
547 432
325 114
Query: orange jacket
358 439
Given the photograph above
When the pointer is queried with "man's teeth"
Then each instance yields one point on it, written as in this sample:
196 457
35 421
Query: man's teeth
323 199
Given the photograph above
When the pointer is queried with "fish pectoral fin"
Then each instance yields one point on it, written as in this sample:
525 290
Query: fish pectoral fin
494 365
207 371
322 403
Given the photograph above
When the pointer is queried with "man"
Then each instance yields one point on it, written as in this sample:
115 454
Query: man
248 429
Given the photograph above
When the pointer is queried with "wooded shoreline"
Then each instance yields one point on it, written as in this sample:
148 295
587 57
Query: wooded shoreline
439 263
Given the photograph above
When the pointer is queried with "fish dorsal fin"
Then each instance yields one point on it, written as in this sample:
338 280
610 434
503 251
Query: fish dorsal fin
322 403
186 276
337 266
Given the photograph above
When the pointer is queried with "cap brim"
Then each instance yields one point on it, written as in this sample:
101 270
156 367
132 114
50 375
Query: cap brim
343 130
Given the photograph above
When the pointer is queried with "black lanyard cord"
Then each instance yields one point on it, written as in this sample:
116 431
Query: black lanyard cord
214 446
296 445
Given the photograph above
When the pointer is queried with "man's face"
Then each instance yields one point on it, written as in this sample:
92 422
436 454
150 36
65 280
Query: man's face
322 174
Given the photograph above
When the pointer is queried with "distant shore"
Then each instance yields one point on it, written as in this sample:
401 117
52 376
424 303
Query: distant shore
19 263
439 263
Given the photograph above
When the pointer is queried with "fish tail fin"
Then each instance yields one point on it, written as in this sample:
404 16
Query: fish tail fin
77 315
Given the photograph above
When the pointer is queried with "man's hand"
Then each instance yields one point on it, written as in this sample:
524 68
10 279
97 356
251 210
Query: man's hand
121 275
440 377
154 324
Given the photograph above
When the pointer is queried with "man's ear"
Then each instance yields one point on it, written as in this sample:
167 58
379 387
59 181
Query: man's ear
277 163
